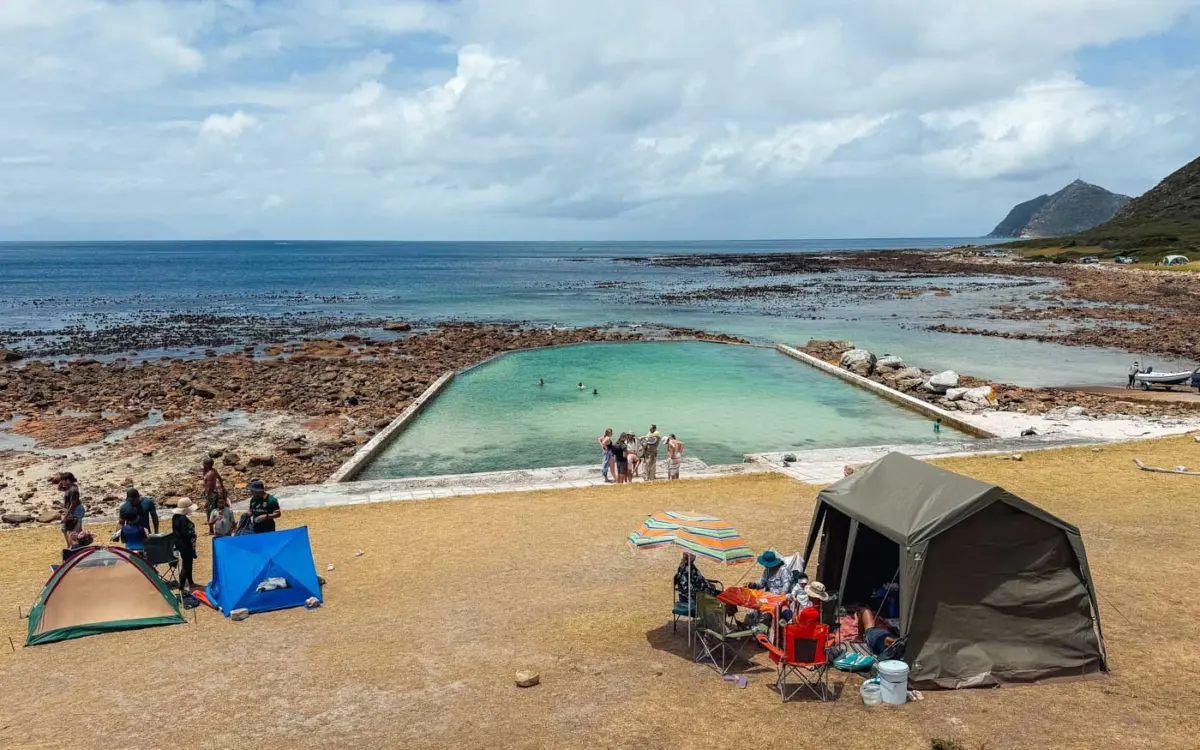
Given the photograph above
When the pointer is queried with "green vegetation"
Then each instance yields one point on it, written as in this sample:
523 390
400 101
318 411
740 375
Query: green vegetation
1165 220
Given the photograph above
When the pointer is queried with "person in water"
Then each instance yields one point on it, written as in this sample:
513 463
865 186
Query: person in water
937 426
581 386
595 391
541 381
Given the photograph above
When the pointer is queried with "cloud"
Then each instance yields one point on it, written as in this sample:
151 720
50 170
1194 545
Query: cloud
228 126
540 118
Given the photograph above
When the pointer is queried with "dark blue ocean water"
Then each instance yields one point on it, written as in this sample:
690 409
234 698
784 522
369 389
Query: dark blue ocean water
48 285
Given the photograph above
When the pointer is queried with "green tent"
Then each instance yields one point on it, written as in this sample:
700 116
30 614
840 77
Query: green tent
992 588
101 590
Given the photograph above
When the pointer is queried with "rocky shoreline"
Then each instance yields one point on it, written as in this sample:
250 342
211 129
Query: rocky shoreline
954 392
286 414
1147 312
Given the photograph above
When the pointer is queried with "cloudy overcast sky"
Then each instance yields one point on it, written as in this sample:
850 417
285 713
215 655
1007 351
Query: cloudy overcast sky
558 119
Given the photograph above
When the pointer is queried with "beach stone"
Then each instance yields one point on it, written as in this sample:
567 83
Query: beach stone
954 394
859 361
397 325
291 448
967 406
942 382
909 384
527 679
203 390
889 362
1075 412
261 461
16 518
49 516
231 459
981 396
216 451
8 355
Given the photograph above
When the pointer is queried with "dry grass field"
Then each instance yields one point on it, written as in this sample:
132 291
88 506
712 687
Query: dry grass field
419 639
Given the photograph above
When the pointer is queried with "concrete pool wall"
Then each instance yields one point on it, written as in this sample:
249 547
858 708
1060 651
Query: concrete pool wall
378 447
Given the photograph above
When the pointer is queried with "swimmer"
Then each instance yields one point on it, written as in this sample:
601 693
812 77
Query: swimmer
581 386
595 391
541 381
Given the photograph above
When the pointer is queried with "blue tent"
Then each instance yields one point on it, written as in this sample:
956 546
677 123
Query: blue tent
241 563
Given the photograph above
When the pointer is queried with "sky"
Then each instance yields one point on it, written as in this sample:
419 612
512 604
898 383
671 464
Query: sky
564 119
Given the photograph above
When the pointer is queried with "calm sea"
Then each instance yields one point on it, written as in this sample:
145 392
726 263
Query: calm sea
49 285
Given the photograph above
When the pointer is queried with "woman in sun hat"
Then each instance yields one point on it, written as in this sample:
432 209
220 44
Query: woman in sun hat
184 532
775 578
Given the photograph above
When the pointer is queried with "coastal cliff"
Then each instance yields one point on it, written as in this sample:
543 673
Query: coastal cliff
1076 208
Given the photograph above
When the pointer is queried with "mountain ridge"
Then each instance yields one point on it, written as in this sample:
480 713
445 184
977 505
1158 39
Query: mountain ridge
1076 208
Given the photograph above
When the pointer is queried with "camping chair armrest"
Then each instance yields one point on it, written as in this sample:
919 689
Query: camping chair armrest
717 586
766 643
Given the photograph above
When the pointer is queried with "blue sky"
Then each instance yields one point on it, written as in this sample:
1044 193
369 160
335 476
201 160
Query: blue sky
556 119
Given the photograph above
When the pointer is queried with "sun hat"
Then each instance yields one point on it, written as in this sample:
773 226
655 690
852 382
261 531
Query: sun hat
184 507
769 559
816 590
256 486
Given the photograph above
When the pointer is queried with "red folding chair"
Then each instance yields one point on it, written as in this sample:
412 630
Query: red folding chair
803 655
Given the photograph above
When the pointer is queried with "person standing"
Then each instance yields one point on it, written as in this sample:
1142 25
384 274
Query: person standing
264 508
73 510
606 446
220 521
937 426
212 481
184 532
1134 369
142 508
650 452
620 461
674 456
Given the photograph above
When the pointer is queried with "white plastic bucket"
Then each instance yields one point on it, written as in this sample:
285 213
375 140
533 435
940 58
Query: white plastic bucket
893 680
870 692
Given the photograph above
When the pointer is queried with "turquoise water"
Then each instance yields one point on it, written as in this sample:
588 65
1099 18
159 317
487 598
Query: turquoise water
721 401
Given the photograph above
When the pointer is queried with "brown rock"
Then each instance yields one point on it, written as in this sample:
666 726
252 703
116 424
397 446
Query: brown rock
16 518
50 516
291 448
231 459
261 461
397 326
203 390
526 679
8 355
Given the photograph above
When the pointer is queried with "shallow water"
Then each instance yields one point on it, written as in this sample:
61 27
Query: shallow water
721 401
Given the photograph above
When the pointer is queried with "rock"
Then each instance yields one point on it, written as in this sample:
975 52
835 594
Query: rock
858 361
889 362
50 516
382 423
312 602
238 615
16 518
982 396
527 679
261 461
25 495
398 326
232 459
1075 412
847 470
291 448
172 502
954 394
910 384
942 382
967 406
330 565
216 452
203 390
8 355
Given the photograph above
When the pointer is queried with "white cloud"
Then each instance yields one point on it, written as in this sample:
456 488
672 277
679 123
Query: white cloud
228 126
545 116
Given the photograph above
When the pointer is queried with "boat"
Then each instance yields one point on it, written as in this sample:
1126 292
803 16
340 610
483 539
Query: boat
1148 380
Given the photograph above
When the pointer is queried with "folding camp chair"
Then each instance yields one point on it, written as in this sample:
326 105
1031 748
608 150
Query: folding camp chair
160 550
803 655
684 610
717 643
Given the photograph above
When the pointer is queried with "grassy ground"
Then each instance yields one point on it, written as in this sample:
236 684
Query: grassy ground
420 637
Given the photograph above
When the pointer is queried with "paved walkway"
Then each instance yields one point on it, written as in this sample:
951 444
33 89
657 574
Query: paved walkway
456 485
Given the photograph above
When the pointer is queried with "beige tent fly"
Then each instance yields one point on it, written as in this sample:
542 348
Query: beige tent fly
101 590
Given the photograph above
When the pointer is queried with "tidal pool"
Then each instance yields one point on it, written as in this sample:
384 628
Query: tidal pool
721 401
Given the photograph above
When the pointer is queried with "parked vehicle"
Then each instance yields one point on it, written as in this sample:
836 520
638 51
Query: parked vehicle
1124 260
1089 259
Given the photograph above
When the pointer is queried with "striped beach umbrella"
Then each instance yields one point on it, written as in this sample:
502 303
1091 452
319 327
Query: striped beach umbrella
706 537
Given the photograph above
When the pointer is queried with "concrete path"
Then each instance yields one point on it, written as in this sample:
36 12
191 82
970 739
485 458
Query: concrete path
455 485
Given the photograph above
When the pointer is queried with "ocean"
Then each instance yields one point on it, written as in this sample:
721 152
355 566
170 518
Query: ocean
49 286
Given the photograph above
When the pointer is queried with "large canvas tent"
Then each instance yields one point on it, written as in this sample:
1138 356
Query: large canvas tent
242 564
992 588
101 590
